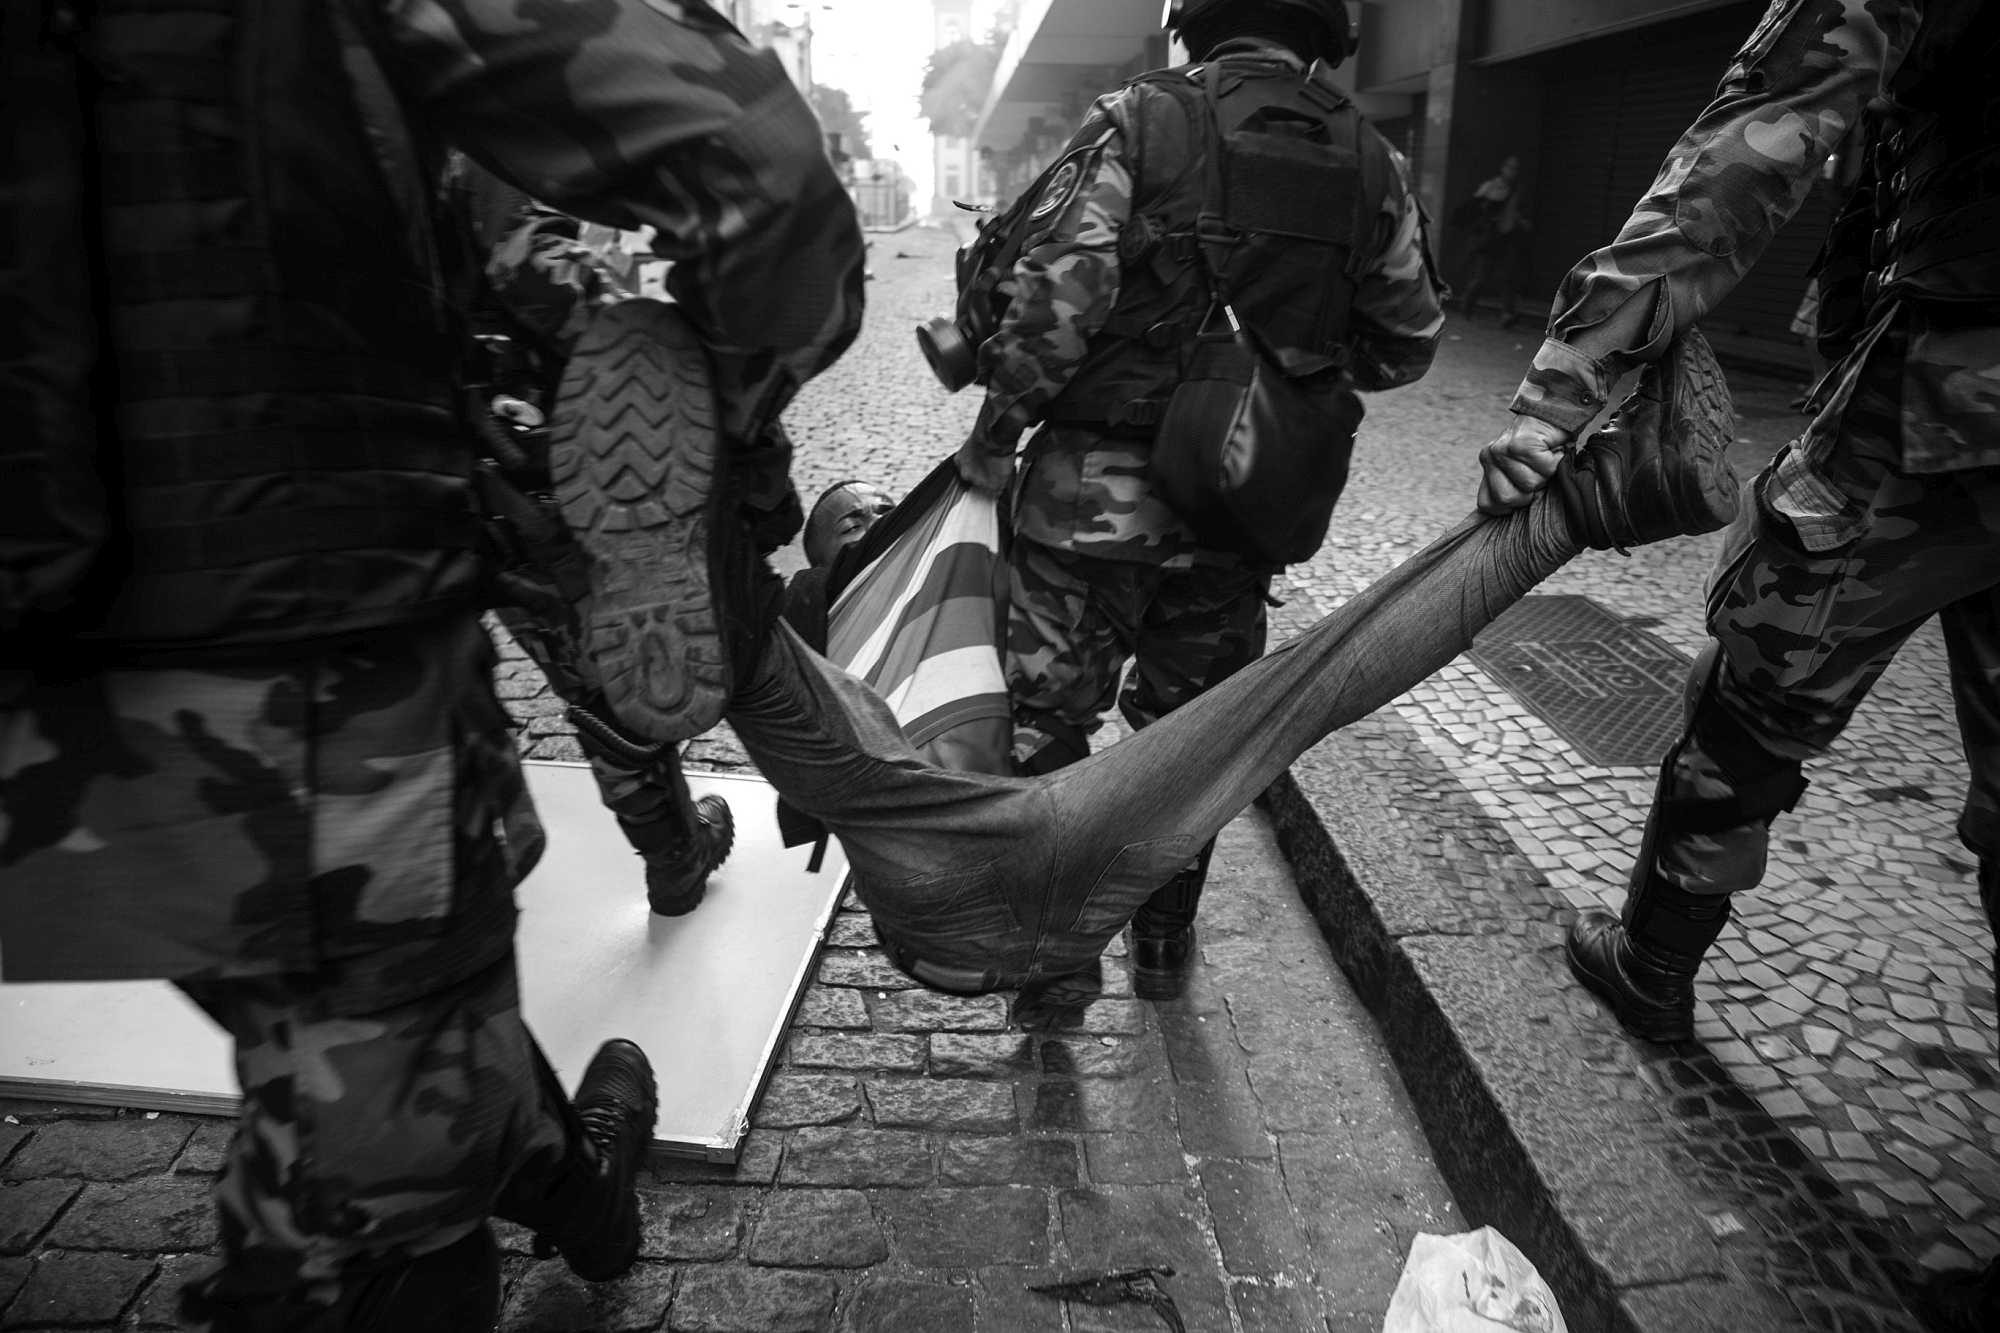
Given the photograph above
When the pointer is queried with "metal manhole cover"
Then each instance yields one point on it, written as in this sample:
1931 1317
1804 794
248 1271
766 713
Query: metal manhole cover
1611 690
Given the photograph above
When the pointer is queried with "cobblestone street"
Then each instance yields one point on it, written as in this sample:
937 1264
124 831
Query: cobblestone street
919 1160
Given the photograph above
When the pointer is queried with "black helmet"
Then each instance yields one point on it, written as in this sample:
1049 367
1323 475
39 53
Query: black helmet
1332 14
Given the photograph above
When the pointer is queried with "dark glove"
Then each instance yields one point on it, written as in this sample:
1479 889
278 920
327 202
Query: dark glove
981 468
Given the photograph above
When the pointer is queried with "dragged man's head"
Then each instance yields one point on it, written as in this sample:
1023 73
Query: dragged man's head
840 516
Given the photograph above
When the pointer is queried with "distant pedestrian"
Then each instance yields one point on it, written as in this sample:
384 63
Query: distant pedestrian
1497 236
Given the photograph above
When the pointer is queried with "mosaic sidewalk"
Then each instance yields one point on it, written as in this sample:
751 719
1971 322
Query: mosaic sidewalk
1840 1109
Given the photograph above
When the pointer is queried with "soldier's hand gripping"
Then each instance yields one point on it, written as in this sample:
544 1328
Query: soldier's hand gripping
1518 462
983 468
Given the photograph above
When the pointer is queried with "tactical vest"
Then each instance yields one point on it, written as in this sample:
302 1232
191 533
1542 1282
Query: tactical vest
288 461
1924 222
1304 179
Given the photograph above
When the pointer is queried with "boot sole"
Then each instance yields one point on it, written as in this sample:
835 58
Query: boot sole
1662 1028
1701 415
634 454
1680 484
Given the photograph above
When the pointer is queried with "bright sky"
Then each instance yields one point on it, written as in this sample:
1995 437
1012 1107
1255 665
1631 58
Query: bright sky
876 50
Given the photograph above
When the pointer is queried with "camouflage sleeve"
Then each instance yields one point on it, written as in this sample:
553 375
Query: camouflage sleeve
541 272
1398 311
1065 284
658 113
1791 94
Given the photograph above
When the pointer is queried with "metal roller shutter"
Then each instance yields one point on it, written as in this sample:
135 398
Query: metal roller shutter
1612 110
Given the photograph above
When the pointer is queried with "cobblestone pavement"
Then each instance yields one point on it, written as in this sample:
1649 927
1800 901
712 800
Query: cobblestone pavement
918 1160
1852 999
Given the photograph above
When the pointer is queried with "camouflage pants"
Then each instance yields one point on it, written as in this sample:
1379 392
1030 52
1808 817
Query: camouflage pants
322 852
639 782
358 813
1803 634
370 1137
1075 621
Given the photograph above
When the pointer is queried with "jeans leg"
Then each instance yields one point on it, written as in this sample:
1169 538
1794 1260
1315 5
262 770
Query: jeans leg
1017 875
951 863
1134 813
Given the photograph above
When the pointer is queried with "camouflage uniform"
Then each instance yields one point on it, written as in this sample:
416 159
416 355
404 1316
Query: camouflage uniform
1103 569
543 278
1884 512
318 836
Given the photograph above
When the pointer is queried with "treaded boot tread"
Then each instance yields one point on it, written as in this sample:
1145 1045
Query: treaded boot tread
635 457
1660 466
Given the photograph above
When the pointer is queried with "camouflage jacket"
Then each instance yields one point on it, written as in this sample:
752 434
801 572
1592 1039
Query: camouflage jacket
224 835
1791 94
551 271
657 113
1087 491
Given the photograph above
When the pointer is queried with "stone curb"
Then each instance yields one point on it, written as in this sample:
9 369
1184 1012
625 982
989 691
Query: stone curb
1534 1129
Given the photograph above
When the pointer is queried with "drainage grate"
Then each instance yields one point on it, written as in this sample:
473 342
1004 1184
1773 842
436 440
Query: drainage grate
1611 690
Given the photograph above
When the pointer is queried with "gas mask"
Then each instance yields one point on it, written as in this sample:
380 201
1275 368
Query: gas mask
951 343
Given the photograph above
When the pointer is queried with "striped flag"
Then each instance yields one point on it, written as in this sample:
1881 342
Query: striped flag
924 622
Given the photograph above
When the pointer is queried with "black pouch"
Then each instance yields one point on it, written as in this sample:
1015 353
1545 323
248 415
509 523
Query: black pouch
1253 459
1253 446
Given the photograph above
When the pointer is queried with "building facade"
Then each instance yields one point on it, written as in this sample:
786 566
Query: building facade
785 28
1589 94
957 171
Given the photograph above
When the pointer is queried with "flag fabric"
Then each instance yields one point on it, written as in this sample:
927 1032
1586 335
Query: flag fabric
923 621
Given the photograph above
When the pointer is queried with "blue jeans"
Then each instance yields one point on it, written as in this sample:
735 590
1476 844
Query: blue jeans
978 882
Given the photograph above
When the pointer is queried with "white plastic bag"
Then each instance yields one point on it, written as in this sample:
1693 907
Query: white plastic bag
1477 1282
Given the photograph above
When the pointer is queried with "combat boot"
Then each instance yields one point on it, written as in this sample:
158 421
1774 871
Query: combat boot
1163 937
1660 467
675 885
682 840
590 1216
640 475
1650 989
1160 963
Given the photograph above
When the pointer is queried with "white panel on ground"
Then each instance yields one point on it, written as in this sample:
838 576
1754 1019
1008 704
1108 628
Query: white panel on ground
708 995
